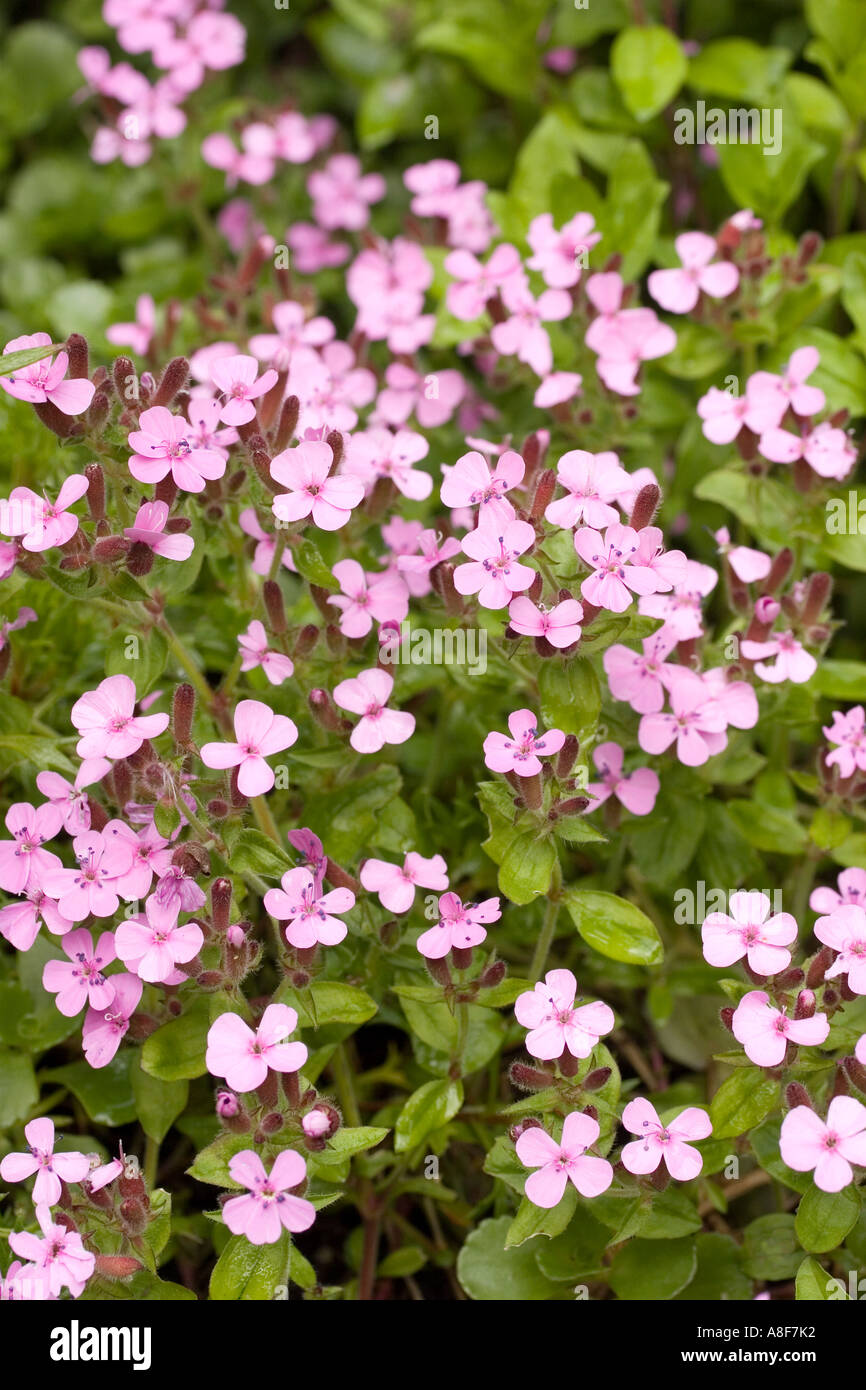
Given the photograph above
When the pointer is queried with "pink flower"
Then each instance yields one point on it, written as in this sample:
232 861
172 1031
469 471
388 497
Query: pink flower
623 338
51 1169
68 802
678 290
310 847
668 1142
556 388
559 625
367 597
367 694
848 731
724 414
342 195
267 544
152 947
793 663
377 453
245 1057
20 922
827 449
641 678
556 253
161 446
415 569
522 752
433 398
203 416
24 864
476 283
765 1031
637 793
521 334
844 929
680 610
149 529
256 652
790 388
748 565
60 1258
830 1147
294 332
175 893
697 723
614 576
270 1207
82 981
237 378
458 927
495 574
43 380
138 335
556 1026
260 733
92 887
395 886
40 523
105 720
305 471
313 249
565 1161
470 483
104 1029
851 891
592 483
308 911
433 185
150 854
749 931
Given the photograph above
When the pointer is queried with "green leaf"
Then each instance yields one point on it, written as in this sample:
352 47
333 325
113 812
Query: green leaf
255 853
25 357
720 1274
176 1051
427 1109
309 562
489 1273
347 1142
527 867
767 828
211 1164
815 1285
770 1249
614 926
825 1218
32 748
649 67
328 1001
742 1100
648 1269
18 1089
157 1103
246 1273
105 1092
738 68
570 697
402 1263
140 656
532 1220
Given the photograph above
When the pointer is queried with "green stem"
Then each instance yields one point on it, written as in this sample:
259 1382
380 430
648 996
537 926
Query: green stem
184 659
264 818
151 1163
545 940
342 1074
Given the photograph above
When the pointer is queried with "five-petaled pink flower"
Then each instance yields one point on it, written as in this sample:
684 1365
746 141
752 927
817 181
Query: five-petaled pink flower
669 1142
300 902
153 947
23 862
522 752
367 694
395 886
844 931
236 376
93 886
848 732
765 1031
678 290
39 523
555 1024
305 471
82 979
615 579
592 482
495 573
259 733
459 927
51 1169
161 446
470 483
749 931
43 380
637 792
59 1259
563 1161
828 1146
269 1206
105 720
244 1057
697 723
256 652
365 597
793 663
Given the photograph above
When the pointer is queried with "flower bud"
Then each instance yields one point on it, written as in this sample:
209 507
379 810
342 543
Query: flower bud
805 1006
97 413
183 709
305 641
274 606
818 591
287 423
220 902
227 1105
567 754
544 490
173 379
493 974
530 788
596 1079
110 549
340 879
645 506
527 1078
819 966
335 440
79 356
316 1124
323 710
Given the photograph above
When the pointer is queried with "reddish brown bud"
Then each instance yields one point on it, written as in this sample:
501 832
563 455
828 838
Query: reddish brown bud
818 591
287 423
530 788
111 549
805 1006
79 356
340 879
220 903
567 754
596 1079
183 710
335 440
645 506
274 606
544 490
305 641
173 379
97 414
